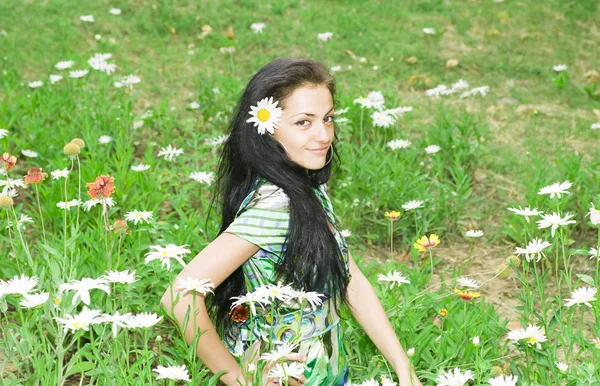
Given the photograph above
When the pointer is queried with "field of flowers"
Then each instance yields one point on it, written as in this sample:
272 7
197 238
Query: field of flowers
469 186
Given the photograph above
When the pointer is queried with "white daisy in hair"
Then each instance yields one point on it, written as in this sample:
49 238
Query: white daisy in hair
265 115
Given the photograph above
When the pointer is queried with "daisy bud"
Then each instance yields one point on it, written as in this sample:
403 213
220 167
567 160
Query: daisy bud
496 370
503 271
476 341
79 142
514 261
120 225
56 301
410 352
506 368
6 202
443 312
251 368
71 149
158 339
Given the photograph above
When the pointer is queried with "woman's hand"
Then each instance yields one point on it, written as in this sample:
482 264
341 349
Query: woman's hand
272 381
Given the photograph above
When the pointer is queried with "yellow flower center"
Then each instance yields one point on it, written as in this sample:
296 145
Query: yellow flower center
263 115
533 339
138 215
76 324
164 253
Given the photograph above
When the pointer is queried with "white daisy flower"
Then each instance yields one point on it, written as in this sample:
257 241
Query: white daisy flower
460 85
128 81
346 233
382 119
68 204
203 177
34 300
114 11
138 216
103 140
412 205
252 298
55 78
554 220
89 204
336 68
432 149
482 90
265 115
143 320
429 31
194 105
116 319
313 299
474 233
170 153
78 73
99 63
121 277
562 367
258 27
466 282
190 284
456 378
63 65
399 144
138 124
370 382
595 126
556 189
217 141
227 50
3 133
21 221
279 352
174 373
374 99
442 89
56 174
35 84
594 253
533 249
140 168
87 18
594 215
21 285
583 295
81 321
410 352
287 370
325 36
560 67
532 335
476 341
504 380
280 292
165 254
392 278
527 212
82 288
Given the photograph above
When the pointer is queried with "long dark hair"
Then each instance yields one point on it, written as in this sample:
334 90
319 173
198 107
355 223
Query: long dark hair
312 259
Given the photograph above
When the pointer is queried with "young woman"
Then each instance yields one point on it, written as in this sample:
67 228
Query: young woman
278 226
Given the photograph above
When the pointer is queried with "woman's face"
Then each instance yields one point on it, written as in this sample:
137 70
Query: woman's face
306 126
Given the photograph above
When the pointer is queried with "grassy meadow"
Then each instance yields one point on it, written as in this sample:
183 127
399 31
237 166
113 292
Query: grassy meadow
517 126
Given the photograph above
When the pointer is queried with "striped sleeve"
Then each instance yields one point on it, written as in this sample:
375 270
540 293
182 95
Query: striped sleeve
264 221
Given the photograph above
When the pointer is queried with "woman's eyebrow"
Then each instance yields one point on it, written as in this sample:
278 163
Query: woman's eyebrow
312 115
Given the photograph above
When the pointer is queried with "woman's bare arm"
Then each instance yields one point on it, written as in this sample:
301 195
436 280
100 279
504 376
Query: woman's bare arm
216 262
371 316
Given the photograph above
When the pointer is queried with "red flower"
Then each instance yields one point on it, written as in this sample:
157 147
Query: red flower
239 313
102 187
7 161
34 176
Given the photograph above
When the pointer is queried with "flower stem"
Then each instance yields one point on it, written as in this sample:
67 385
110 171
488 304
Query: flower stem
37 195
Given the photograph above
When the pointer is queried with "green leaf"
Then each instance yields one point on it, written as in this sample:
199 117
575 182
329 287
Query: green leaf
586 279
80 367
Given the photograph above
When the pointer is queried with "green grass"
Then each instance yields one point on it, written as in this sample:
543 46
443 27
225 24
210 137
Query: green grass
497 152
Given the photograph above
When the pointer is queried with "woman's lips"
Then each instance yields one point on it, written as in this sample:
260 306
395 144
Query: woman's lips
320 150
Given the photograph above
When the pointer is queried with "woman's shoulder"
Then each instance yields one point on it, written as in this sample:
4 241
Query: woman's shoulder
269 196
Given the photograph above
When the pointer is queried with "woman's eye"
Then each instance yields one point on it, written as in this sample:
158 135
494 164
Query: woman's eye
304 122
330 119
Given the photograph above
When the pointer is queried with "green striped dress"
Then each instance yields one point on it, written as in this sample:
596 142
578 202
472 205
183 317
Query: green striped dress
263 219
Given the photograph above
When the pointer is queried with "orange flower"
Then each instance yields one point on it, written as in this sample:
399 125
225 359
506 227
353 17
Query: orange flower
393 215
239 314
424 243
34 176
467 295
7 161
102 187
